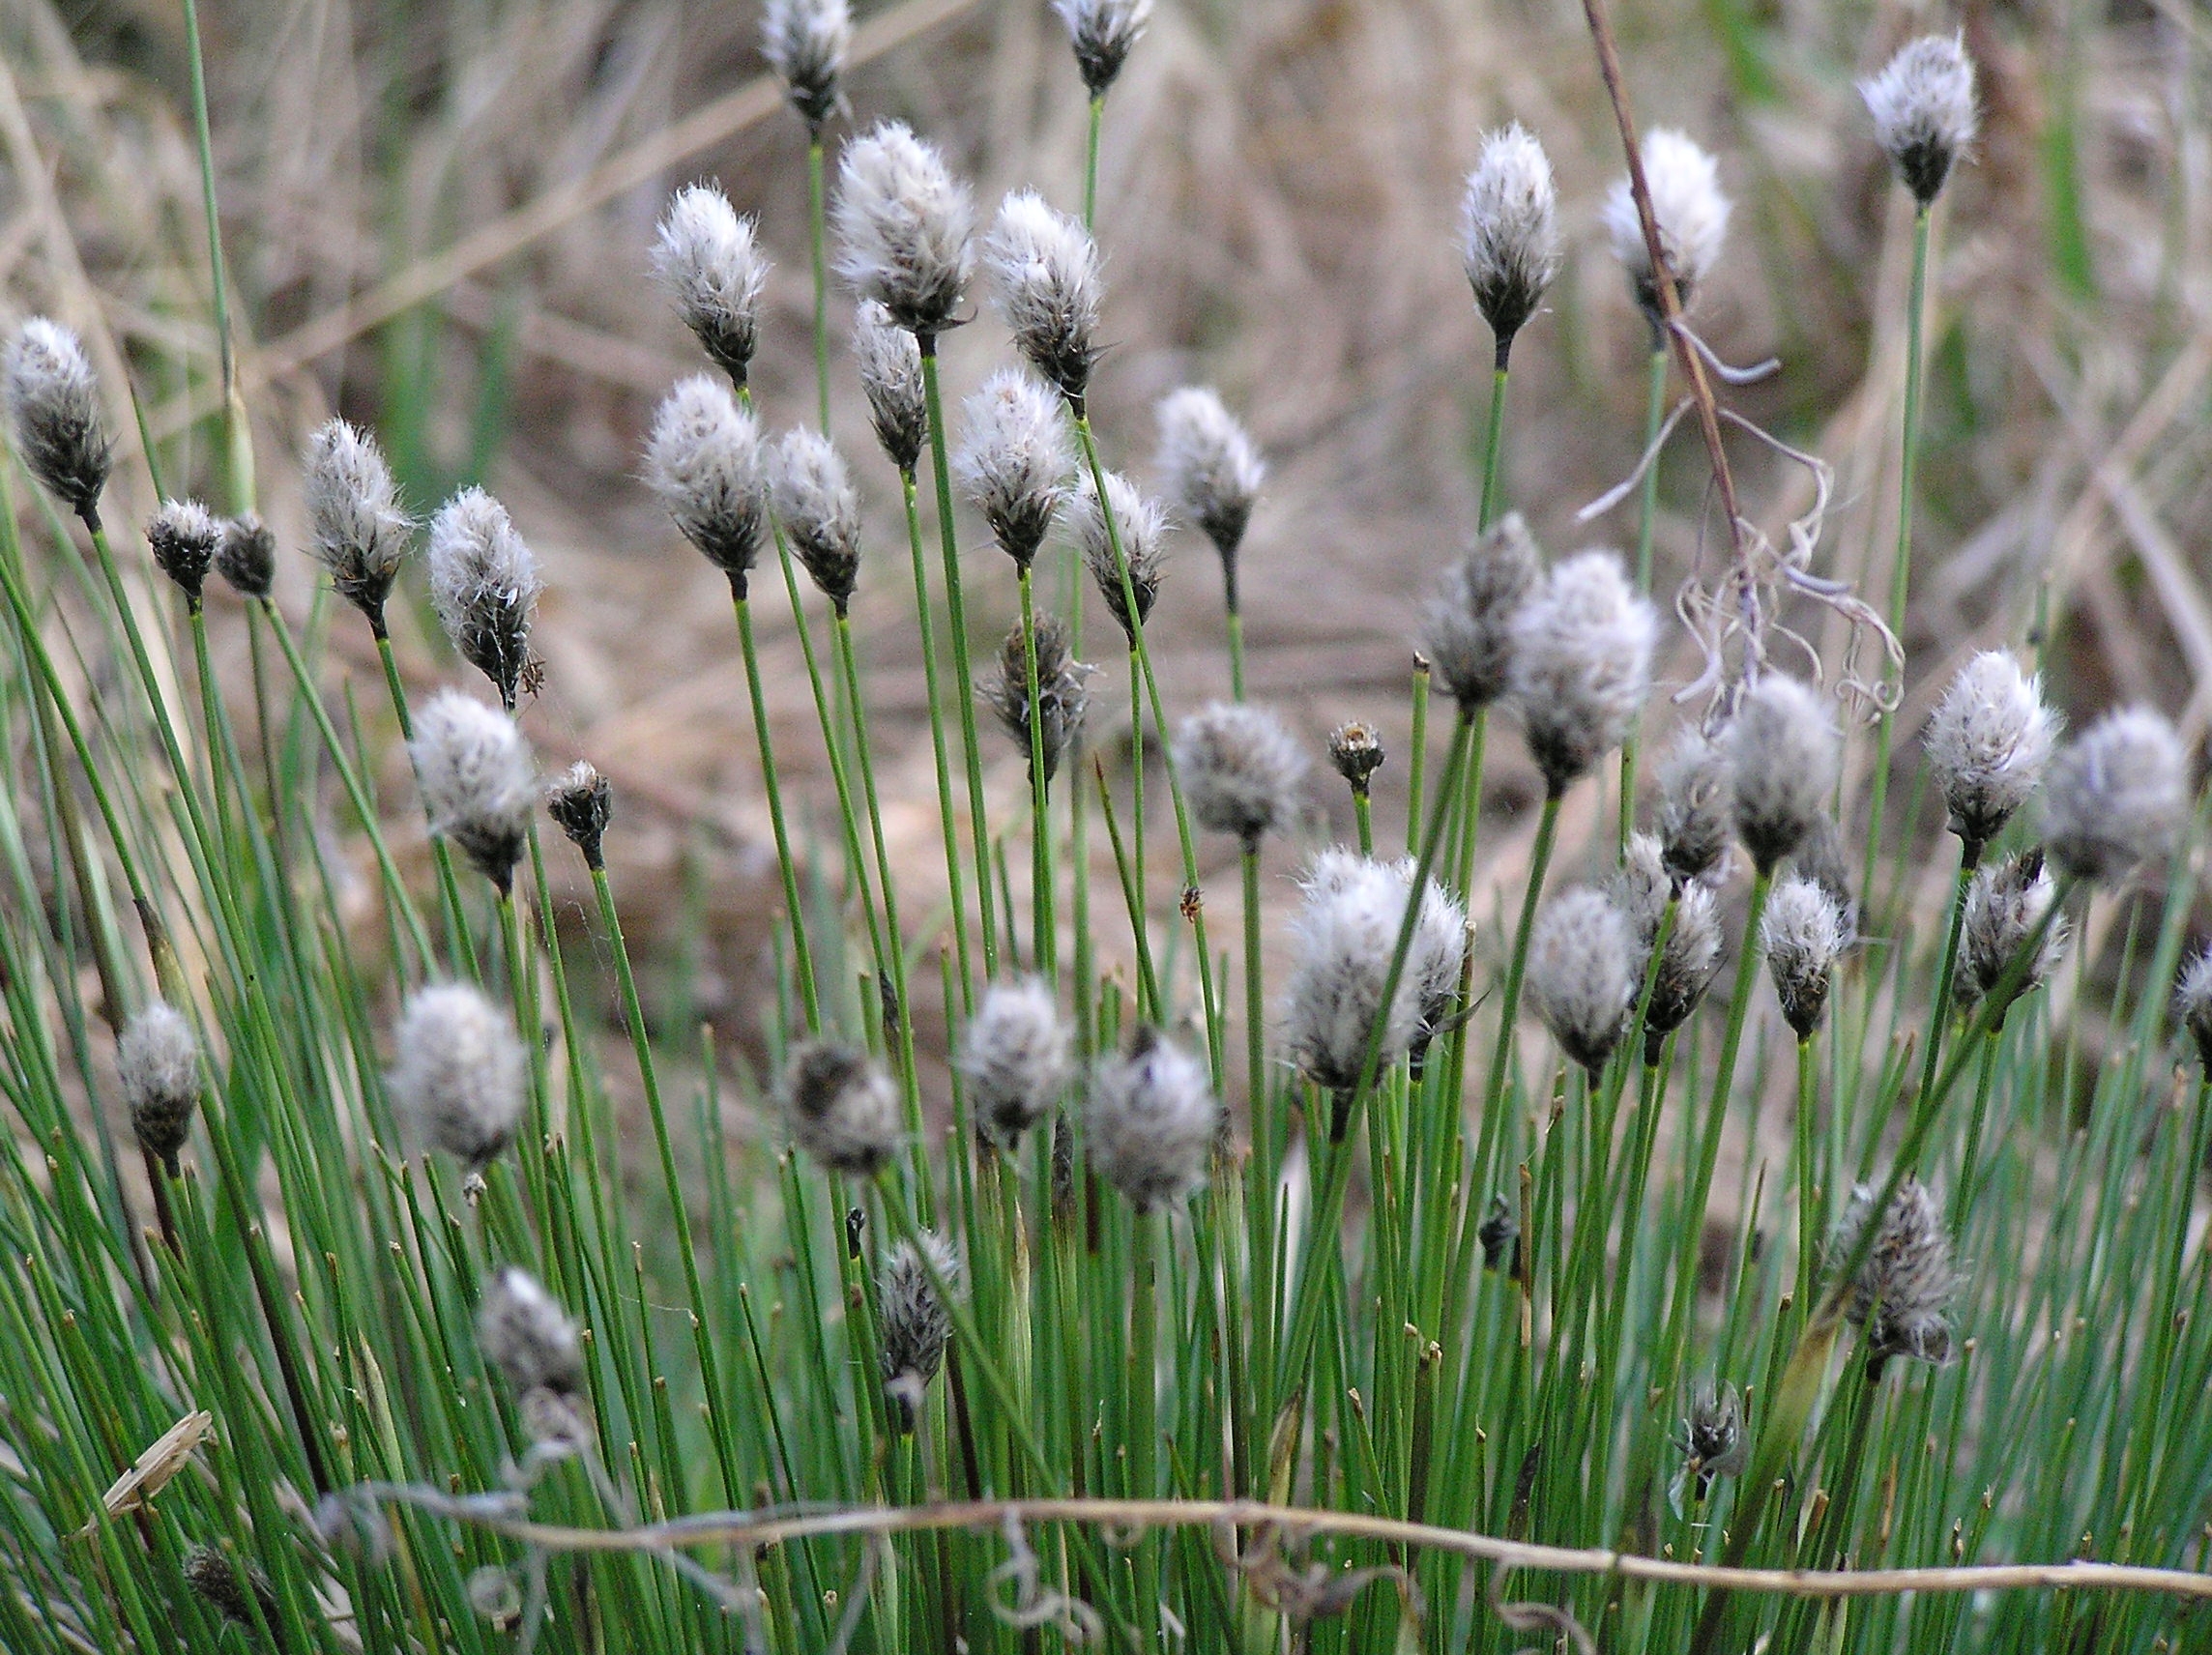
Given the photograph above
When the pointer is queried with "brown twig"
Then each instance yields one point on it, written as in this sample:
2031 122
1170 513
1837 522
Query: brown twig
1663 289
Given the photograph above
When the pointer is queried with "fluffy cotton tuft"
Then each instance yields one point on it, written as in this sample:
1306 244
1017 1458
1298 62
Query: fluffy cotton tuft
807 42
1988 743
1784 751
2115 795
478 785
1902 1294
1582 978
2193 1004
912 1322
53 405
709 260
1062 698
247 556
1693 218
815 500
458 1074
891 373
158 1061
904 228
1211 469
704 461
1509 231
1468 636
483 584
1044 274
526 1336
1582 663
841 1107
359 530
1142 528
1802 934
1923 109
1016 1057
1103 33
1641 889
1240 769
1014 460
581 802
1346 931
2005 906
1695 831
1151 1120
183 537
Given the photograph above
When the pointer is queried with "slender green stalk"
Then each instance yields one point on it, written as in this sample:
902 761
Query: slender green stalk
237 433
1494 440
457 936
938 754
1097 117
801 952
1516 967
1044 945
1939 1014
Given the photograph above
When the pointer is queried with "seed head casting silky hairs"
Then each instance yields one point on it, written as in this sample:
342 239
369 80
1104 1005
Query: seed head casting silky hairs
158 1061
458 1074
1923 109
1210 469
477 781
704 461
913 1322
1102 32
1014 460
1241 768
581 802
1346 931
483 584
1468 635
1581 973
1150 1120
1143 530
820 514
2005 905
183 537
1802 934
1693 218
1695 829
1509 231
1062 698
904 224
1903 1293
708 259
1044 274
523 1332
1641 889
53 405
2193 1004
359 530
1016 1055
1581 664
807 42
2115 795
1783 752
1988 743
247 556
891 373
841 1107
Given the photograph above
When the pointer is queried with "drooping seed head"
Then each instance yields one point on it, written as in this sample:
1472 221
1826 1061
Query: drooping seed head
2115 795
913 1322
484 585
359 530
1687 963
581 802
1821 858
709 262
1902 1294
1434 958
1345 932
1988 743
158 1061
1581 973
704 461
1803 935
1510 230
1103 33
232 1592
2193 1004
1063 699
1014 460
1356 749
246 555
1923 109
1783 752
807 42
1150 1120
524 1334
904 227
1044 274
1693 218
1581 663
1016 1057
891 373
841 1108
478 785
183 537
2005 904
1210 466
1695 829
1240 769
53 407
458 1074
1468 638
1142 527
815 500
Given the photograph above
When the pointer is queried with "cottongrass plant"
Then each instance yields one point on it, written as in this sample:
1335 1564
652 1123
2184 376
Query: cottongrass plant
976 1298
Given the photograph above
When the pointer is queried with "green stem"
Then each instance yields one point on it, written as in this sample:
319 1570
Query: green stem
954 881
899 1011
1494 441
457 936
803 956
1970 858
1516 970
1090 161
237 437
1043 946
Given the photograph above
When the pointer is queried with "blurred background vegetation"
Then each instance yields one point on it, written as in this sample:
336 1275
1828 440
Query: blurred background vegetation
437 218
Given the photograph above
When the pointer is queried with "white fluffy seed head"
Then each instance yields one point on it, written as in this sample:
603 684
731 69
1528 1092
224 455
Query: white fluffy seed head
1695 829
904 228
1102 32
1470 630
1693 217
1509 231
2115 795
1803 935
820 510
1209 468
54 406
1923 109
1436 957
891 373
807 43
1143 528
478 785
1014 460
1583 959
1902 1294
1241 768
359 530
2193 1004
1988 743
158 1063
1016 1057
704 461
1044 274
841 1107
1641 889
1581 663
709 260
183 537
1784 751
1150 1120
484 585
1062 701
457 1074
523 1332
913 1322
1346 931
581 802
2005 905
246 555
